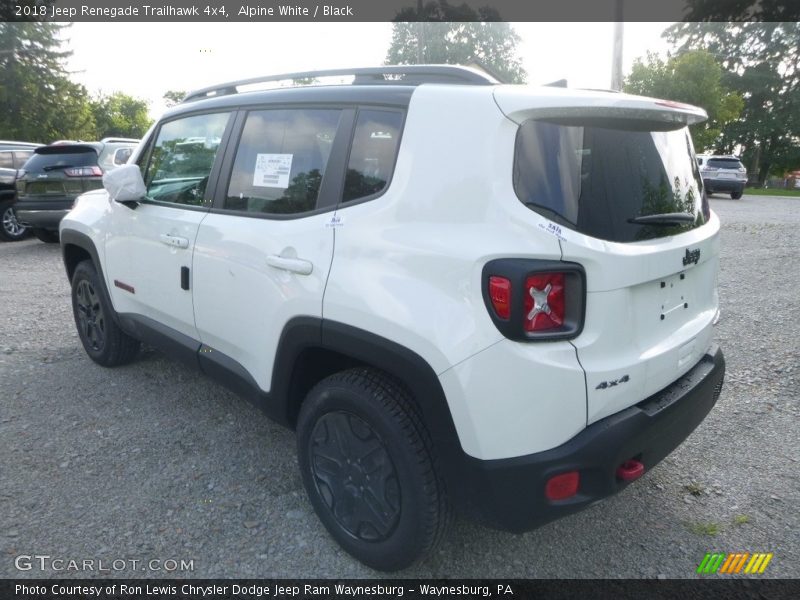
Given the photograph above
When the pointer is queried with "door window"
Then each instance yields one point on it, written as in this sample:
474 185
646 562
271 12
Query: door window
182 157
281 160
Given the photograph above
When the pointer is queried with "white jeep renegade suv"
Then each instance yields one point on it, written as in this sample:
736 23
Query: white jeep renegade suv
462 295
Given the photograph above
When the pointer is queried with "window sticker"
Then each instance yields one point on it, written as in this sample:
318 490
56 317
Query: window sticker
272 170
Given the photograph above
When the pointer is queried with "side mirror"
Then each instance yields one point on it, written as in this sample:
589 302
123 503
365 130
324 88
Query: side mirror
125 184
121 155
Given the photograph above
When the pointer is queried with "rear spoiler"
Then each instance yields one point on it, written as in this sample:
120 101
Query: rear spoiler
520 103
65 149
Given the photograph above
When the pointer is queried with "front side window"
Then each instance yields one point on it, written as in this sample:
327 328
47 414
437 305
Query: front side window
182 157
598 180
281 160
373 154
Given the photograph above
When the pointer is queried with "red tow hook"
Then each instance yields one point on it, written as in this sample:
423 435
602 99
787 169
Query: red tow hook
630 470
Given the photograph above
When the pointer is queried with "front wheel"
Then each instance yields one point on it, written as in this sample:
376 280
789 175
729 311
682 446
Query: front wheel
104 341
45 235
370 469
736 195
11 229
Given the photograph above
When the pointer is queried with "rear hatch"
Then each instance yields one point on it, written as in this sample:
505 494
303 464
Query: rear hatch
724 168
59 171
617 173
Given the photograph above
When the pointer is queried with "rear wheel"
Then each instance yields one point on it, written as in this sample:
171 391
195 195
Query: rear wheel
11 229
104 341
45 235
370 469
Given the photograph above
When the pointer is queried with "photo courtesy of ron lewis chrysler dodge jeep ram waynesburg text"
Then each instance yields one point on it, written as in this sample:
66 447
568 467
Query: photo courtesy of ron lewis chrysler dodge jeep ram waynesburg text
463 296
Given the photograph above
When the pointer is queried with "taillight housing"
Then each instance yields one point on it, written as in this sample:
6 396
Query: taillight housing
93 171
530 299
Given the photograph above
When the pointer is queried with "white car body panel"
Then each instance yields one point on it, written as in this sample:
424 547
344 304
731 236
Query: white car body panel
242 302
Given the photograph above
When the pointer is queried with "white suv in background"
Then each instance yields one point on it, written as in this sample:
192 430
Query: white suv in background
722 174
462 295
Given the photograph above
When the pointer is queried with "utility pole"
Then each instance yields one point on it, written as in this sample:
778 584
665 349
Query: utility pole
420 34
616 61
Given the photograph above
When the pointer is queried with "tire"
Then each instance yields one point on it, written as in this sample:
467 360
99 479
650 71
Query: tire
736 195
45 235
359 423
11 230
104 341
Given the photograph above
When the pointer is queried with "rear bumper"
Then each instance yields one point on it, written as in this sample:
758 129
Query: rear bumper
508 494
724 185
43 214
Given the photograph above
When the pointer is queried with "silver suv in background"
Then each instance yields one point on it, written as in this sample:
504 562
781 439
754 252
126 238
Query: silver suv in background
722 174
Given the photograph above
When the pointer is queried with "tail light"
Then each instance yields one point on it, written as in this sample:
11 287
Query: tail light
93 171
535 299
500 295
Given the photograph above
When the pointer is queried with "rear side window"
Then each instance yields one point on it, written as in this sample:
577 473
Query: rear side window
20 156
182 157
281 160
373 154
6 160
595 180
64 158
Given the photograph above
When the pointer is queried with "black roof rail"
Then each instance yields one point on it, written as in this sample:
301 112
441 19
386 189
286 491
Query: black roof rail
392 74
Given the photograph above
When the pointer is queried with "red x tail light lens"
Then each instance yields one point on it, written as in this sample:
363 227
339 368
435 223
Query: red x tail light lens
531 299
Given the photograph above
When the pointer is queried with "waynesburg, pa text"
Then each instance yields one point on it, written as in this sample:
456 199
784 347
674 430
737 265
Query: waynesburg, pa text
255 590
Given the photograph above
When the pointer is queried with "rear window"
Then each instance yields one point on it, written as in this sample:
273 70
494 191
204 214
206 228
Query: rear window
724 163
73 157
595 180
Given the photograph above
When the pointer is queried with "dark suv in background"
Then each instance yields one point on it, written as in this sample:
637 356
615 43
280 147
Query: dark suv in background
55 175
12 156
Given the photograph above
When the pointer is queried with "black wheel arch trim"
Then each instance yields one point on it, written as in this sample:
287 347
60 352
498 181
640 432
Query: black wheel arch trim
75 239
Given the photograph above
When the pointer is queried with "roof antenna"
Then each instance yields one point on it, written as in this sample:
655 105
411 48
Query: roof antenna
562 83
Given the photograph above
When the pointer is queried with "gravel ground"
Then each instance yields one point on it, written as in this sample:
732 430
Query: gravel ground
153 461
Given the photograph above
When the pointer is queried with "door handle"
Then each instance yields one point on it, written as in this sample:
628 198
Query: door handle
174 240
295 265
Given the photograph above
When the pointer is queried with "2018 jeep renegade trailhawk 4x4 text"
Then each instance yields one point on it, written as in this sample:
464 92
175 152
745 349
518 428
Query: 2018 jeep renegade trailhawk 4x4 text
462 295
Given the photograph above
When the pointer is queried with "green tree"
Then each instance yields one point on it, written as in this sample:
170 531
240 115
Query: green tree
173 97
120 115
761 62
439 37
38 102
694 78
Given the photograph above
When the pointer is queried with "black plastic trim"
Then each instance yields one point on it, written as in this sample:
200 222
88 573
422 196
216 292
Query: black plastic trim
516 270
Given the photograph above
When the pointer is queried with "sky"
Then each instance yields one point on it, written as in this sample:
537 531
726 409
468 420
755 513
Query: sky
147 59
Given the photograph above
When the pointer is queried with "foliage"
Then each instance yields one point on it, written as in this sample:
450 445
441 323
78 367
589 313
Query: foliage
38 102
694 78
440 38
173 97
120 115
761 62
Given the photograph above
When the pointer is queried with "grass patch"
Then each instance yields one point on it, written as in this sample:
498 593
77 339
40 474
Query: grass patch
694 488
771 192
741 520
700 528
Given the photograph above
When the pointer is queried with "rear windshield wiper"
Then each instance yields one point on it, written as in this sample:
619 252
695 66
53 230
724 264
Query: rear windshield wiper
663 219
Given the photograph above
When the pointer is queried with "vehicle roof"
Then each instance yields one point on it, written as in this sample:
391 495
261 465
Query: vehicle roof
10 145
389 95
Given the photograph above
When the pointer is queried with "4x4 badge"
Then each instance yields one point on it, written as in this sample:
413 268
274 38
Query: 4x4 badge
692 256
